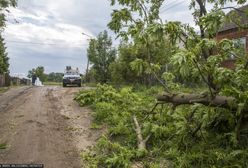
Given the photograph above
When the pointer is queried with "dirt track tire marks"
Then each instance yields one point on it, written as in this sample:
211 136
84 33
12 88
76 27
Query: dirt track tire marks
44 125
8 99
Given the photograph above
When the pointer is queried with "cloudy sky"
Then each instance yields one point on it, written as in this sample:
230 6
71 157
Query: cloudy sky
49 32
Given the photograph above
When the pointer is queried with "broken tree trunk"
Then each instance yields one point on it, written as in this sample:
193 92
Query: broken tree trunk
140 140
181 99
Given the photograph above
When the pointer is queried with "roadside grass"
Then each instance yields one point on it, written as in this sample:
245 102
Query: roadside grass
52 83
4 89
3 146
90 84
95 125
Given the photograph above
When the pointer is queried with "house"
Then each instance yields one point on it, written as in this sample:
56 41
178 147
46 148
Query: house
236 29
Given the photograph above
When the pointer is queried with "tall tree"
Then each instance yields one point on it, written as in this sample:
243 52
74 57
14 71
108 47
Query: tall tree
139 21
4 60
101 54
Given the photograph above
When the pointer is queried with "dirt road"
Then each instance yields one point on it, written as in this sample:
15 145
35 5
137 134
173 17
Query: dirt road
44 125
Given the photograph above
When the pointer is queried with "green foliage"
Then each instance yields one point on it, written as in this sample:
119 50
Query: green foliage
188 136
55 77
39 72
132 66
180 135
4 60
151 48
115 108
169 79
3 146
3 5
101 54
212 21
85 97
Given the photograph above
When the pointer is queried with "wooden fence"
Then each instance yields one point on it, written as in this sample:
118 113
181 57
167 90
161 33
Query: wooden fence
2 80
6 80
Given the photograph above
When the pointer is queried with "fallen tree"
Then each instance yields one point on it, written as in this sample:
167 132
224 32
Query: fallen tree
226 102
183 98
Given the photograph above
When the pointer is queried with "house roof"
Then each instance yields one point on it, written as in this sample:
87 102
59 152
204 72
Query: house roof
239 15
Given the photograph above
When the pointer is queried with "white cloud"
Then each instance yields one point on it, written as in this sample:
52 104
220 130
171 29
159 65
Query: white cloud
41 37
30 31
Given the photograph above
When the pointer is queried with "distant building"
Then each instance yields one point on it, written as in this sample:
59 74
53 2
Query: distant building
231 30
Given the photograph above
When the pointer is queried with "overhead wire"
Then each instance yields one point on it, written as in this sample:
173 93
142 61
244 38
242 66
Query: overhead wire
46 44
166 5
173 6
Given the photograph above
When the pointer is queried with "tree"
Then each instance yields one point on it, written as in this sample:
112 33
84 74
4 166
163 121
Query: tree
39 72
201 56
139 21
121 71
101 54
192 128
203 59
4 60
55 77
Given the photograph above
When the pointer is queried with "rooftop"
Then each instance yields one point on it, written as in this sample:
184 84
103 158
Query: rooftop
236 17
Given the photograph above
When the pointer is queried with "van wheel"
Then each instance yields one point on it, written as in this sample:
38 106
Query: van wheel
64 85
79 85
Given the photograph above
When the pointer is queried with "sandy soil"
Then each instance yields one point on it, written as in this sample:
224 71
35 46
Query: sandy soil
43 125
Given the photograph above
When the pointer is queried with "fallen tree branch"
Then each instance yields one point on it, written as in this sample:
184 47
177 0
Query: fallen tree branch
181 99
140 140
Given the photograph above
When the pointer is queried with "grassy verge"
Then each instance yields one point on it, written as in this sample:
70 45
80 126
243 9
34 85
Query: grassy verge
3 146
4 89
52 83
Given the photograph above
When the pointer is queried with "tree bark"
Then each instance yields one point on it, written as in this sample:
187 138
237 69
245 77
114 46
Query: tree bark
141 141
217 101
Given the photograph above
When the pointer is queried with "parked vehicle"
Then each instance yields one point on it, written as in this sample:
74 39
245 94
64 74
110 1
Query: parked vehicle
71 77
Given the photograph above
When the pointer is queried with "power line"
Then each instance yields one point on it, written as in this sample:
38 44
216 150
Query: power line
166 5
37 43
173 6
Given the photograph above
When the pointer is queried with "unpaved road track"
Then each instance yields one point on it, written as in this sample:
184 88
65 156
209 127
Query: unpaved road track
43 125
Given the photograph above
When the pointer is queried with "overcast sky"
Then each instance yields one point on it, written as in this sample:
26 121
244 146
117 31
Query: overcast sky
49 32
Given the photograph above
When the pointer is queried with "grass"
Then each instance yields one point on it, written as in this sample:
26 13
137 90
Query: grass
90 84
52 83
95 126
4 89
3 146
